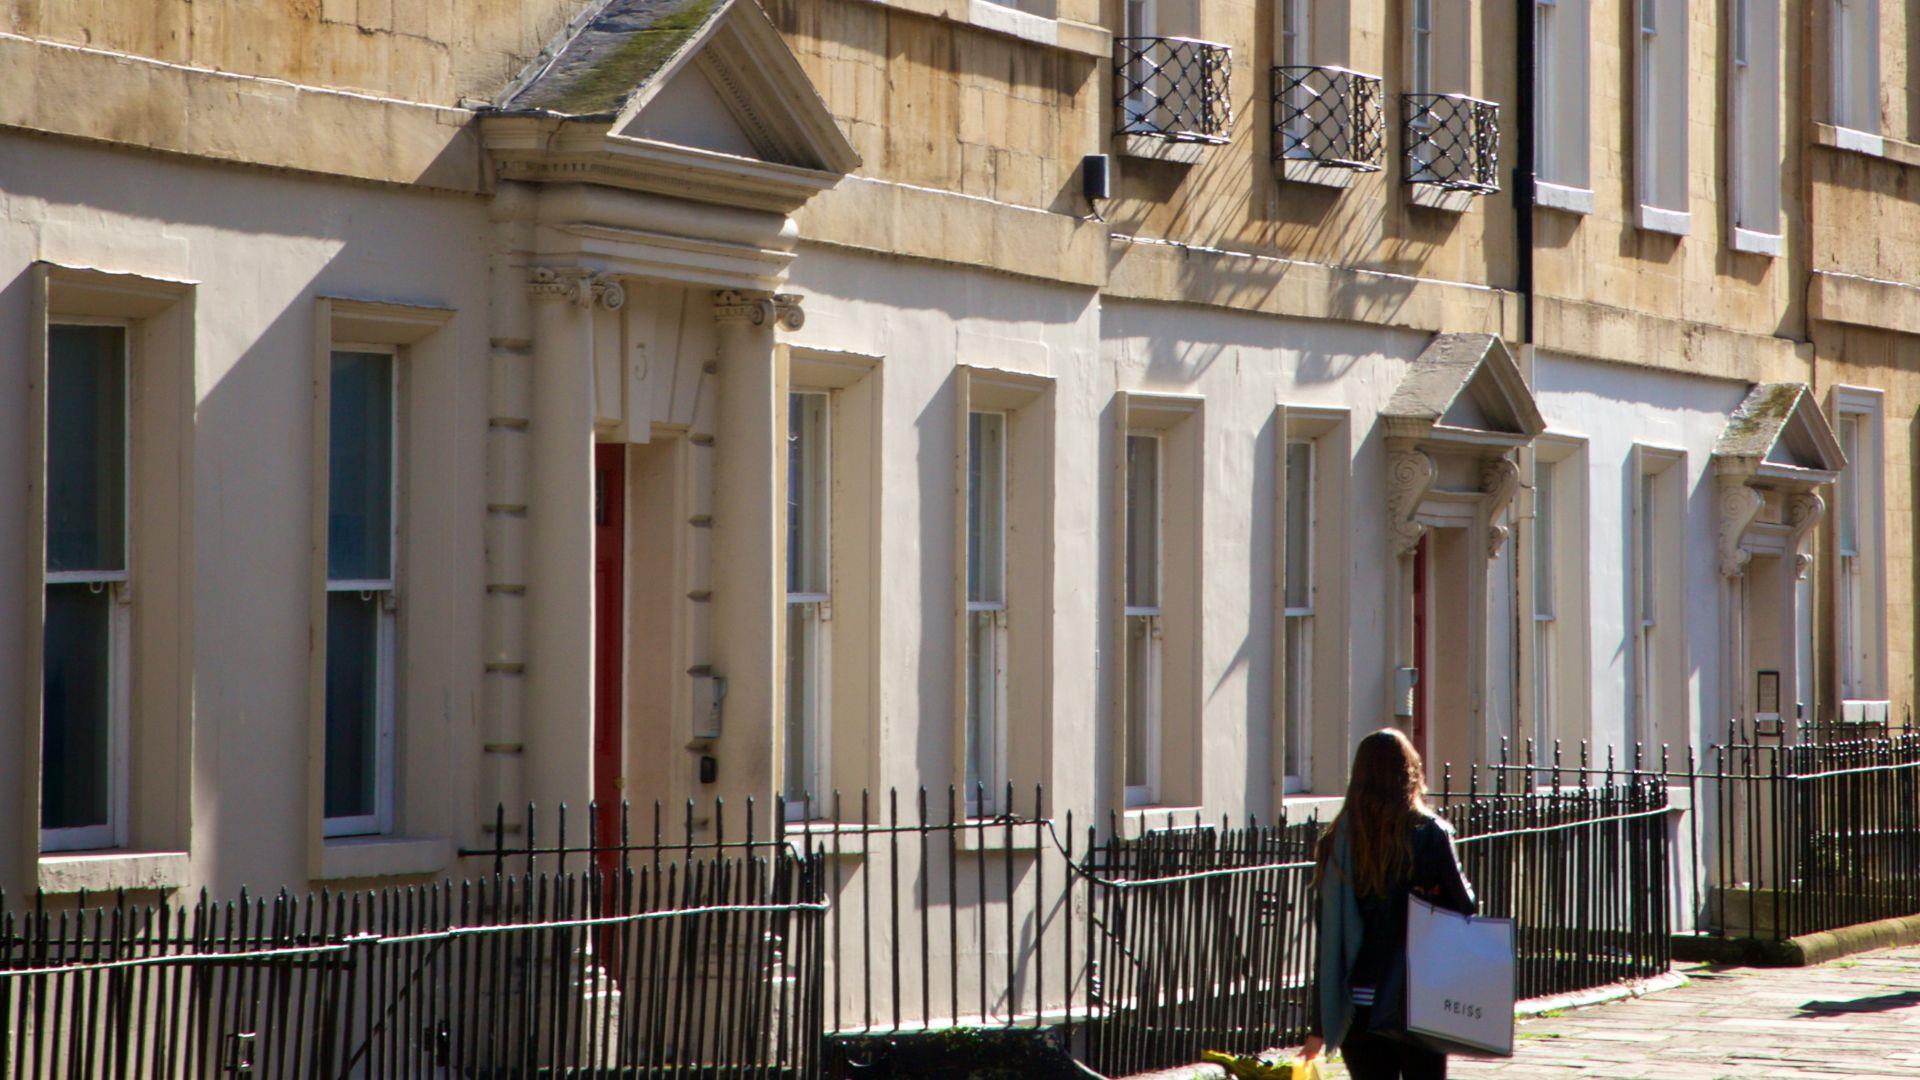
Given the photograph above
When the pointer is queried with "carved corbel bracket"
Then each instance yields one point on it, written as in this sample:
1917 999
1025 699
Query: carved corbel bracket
1803 513
1500 480
1410 474
1737 506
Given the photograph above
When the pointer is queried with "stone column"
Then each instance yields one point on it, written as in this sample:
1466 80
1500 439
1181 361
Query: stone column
748 590
558 707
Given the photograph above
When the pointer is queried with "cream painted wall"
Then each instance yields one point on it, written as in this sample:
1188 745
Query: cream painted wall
262 247
1615 407
924 320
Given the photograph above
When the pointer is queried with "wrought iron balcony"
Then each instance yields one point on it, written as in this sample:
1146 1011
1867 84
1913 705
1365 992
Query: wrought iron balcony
1172 88
1452 142
1327 115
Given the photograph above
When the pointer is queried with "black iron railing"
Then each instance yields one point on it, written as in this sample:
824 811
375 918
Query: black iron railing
1327 115
1452 142
1172 88
735 941
1797 839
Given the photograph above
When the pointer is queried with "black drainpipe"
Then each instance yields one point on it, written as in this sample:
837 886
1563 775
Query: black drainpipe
1523 165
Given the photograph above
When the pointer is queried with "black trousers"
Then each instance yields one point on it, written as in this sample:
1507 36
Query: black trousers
1376 1057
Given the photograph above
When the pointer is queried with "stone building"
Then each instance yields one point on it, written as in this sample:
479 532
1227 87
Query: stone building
422 405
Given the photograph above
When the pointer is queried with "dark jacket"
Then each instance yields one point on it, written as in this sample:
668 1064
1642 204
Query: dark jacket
1363 939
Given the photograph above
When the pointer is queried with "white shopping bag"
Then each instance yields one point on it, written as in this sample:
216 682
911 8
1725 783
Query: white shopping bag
1460 981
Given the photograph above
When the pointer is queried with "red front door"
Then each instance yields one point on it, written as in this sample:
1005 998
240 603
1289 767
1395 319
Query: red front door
609 615
1420 672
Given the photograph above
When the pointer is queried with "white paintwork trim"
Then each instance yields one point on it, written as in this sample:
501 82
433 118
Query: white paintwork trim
1551 196
1671 222
1860 142
1754 242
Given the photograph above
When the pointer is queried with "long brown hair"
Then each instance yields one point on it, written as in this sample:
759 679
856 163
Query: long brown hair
1386 798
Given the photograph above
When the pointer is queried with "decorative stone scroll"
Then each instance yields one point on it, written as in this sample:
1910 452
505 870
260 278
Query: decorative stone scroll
1736 505
576 285
760 309
1803 513
1410 474
1500 480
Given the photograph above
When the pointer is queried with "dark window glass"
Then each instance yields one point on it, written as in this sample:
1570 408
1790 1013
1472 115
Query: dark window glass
76 749
353 724
360 468
86 448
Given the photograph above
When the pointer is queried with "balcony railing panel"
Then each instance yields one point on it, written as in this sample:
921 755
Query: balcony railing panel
1452 142
1172 88
1327 115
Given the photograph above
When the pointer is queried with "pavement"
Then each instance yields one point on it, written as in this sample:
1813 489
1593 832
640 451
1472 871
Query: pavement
1857 1017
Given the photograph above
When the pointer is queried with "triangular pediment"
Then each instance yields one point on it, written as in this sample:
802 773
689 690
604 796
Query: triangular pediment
1779 432
707 75
1466 385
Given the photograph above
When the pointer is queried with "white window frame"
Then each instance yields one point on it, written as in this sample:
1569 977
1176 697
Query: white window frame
1658 622
985 797
1420 59
1753 127
1140 19
1548 521
1661 115
1853 34
387 630
1297 625
113 833
1147 620
1561 106
816 611
1860 568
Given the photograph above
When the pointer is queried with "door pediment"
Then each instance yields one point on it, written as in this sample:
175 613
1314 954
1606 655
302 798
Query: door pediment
1778 437
1464 390
698 99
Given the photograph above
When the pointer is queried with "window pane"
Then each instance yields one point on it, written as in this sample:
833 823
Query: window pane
86 448
1847 495
76 733
1299 526
986 507
1142 681
360 468
983 705
1299 693
1543 530
353 704
1143 521
807 493
1649 577
800 738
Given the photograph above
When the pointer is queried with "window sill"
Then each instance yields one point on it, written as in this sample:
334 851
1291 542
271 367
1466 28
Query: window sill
1670 222
1570 200
1856 141
1435 197
1305 807
383 856
1138 821
1306 171
1161 148
110 871
1758 243
1064 34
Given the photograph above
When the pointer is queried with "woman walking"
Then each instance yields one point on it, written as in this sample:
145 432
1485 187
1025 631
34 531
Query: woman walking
1385 846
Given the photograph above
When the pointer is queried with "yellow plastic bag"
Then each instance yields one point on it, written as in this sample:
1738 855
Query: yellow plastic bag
1247 1067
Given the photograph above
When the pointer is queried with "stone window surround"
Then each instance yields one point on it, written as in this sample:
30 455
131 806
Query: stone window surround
419 842
1572 675
1026 734
1329 428
1869 404
159 314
